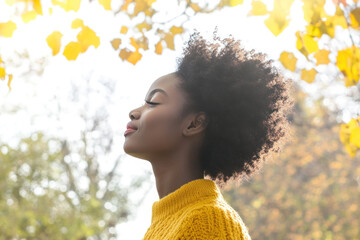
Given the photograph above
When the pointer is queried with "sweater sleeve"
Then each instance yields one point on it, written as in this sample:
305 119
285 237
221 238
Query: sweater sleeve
214 223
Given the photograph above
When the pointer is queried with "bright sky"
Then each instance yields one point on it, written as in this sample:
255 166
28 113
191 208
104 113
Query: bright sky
35 94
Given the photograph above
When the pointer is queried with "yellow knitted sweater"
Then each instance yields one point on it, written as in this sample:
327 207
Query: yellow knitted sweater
197 210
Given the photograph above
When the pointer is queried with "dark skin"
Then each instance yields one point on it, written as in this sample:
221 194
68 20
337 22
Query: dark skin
169 142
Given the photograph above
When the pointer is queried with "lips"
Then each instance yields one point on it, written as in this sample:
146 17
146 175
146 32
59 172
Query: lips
129 130
131 126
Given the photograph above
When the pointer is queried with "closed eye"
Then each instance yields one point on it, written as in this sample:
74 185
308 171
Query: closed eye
152 103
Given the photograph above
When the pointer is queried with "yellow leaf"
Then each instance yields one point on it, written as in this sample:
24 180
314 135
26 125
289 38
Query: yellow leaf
258 8
150 2
169 39
72 50
346 129
233 3
351 149
195 7
77 23
353 123
2 73
143 25
116 43
134 57
123 30
313 10
149 12
143 42
314 30
9 82
124 54
176 30
86 38
158 48
348 62
328 27
309 43
308 75
306 44
28 16
37 7
140 6
134 43
125 5
279 16
355 137
322 57
300 45
338 19
106 4
328 23
349 136
355 17
54 41
276 23
349 82
288 60
68 5
283 7
7 29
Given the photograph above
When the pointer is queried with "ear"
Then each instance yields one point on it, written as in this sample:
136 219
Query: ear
197 123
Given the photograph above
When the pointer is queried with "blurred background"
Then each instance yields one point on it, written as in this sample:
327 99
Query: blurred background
71 71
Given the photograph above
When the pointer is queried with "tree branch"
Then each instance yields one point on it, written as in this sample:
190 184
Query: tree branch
68 169
109 177
347 23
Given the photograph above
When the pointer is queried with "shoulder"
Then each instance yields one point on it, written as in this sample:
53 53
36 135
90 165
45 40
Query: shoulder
216 221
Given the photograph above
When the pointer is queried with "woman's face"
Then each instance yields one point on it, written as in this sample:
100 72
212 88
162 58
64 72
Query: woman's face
159 127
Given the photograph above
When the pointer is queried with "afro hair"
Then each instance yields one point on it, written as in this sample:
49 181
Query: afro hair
246 101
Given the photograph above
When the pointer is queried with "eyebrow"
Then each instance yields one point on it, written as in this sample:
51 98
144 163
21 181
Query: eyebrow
157 90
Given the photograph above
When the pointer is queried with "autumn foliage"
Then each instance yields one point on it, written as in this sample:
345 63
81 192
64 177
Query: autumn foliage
311 190
319 24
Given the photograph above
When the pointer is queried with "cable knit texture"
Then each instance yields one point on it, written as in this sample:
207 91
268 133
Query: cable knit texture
197 210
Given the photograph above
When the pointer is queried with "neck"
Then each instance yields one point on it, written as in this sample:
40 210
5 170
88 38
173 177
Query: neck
171 172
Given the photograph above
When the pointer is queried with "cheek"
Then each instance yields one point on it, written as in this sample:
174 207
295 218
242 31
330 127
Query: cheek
159 126
158 131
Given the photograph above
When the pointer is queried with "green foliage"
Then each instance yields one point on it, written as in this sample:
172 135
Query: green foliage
41 196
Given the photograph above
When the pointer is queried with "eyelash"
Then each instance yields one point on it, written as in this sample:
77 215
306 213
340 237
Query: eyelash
151 103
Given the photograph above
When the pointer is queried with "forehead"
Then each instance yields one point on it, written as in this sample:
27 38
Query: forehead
168 83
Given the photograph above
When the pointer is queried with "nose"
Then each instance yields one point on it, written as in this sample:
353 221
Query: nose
133 114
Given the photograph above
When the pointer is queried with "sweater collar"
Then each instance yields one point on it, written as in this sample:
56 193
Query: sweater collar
187 194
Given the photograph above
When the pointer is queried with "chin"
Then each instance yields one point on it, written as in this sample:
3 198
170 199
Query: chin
127 149
132 152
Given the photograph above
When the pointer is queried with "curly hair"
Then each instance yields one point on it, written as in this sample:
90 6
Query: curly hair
245 100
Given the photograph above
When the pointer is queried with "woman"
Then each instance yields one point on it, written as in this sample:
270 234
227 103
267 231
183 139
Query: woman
218 116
